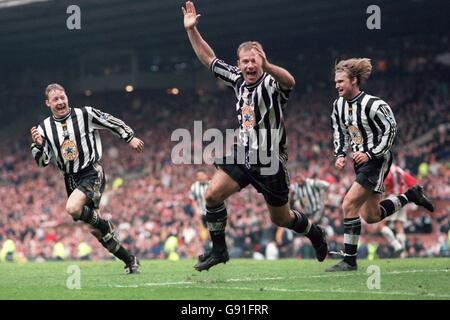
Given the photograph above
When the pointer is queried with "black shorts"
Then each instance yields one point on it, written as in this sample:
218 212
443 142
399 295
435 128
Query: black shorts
371 174
274 188
90 181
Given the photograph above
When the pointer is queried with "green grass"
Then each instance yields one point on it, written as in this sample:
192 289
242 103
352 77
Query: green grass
238 279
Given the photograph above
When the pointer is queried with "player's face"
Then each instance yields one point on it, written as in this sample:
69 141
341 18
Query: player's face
344 85
202 176
58 103
250 64
300 178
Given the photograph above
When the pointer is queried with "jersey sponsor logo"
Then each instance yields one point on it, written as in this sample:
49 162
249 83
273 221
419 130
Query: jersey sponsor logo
355 134
69 150
248 118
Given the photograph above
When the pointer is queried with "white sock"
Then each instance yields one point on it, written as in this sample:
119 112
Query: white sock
401 237
390 237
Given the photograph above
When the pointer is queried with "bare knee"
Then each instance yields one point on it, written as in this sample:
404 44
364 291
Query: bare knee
213 197
74 210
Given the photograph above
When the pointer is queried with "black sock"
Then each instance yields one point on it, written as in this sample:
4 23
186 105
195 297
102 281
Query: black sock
352 230
303 226
116 249
123 255
216 221
91 217
390 205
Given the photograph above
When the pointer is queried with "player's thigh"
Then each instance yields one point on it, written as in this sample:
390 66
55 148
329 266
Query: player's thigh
76 201
370 210
221 187
281 216
355 198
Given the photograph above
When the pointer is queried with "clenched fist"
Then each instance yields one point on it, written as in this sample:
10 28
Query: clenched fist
36 136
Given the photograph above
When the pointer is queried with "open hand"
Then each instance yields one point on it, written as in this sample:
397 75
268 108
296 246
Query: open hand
257 48
190 15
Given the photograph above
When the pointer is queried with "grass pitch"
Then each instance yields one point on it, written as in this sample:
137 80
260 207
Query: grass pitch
238 279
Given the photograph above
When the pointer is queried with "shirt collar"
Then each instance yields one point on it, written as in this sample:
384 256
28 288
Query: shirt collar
63 118
356 98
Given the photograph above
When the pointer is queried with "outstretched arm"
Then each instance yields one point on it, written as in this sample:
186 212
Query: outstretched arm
284 78
202 49
103 120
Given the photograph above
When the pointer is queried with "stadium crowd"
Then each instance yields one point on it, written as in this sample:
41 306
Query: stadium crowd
149 195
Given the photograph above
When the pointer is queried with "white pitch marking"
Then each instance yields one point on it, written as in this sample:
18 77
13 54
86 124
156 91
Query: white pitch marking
322 291
332 275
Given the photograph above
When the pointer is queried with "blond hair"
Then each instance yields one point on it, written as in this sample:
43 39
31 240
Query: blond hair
53 86
359 68
248 45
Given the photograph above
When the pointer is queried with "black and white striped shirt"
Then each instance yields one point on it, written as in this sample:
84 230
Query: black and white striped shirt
259 109
73 142
310 194
197 194
367 122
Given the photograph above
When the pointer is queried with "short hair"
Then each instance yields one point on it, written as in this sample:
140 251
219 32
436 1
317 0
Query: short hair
53 86
248 45
359 68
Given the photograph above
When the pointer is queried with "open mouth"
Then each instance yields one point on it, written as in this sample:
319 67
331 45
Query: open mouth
61 107
251 73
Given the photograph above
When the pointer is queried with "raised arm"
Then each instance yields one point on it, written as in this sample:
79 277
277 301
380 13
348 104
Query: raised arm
202 49
284 78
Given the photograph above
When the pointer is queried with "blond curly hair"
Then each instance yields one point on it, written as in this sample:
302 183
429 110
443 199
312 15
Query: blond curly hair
360 68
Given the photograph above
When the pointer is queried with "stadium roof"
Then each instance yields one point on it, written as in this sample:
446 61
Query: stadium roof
38 30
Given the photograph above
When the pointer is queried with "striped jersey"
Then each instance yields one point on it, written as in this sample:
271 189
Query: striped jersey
197 194
259 109
310 194
366 122
73 142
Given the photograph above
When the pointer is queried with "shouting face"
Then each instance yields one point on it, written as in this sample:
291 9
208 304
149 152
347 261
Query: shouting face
58 103
250 64
345 86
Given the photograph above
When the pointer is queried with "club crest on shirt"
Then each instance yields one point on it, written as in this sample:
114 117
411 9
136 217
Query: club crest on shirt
355 135
248 118
69 150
